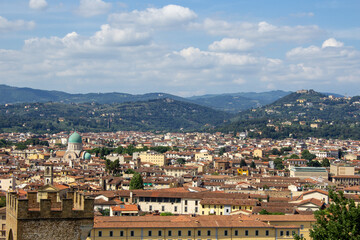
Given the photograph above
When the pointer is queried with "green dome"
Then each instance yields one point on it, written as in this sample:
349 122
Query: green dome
87 156
75 138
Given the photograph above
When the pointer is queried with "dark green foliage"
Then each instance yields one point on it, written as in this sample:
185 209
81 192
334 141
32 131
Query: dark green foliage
253 165
160 115
294 156
105 212
130 171
136 182
313 163
307 155
265 212
112 167
275 151
243 163
325 163
278 164
166 214
222 151
2 202
180 161
160 149
341 220
338 118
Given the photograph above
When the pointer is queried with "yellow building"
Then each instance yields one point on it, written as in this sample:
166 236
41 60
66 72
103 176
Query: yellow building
224 206
258 153
188 227
203 155
153 157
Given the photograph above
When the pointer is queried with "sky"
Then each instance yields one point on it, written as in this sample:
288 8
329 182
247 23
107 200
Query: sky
186 48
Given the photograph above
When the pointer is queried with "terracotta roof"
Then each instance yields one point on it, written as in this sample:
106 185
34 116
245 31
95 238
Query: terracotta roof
285 218
121 208
183 221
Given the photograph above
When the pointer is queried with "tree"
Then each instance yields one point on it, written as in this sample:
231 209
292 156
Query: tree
313 163
253 165
136 182
278 164
243 163
307 155
275 151
294 156
341 220
180 161
325 162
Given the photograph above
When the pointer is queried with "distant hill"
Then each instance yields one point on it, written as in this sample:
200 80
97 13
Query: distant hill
236 102
10 94
302 114
229 102
152 115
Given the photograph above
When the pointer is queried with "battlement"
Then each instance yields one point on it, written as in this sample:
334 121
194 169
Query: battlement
74 206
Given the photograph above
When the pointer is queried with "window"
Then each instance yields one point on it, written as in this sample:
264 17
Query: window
131 233
175 209
215 206
233 207
179 233
185 202
196 202
111 234
221 207
256 232
100 234
287 233
302 226
236 233
225 233
121 233
267 232
209 233
199 232
196 209
203 206
149 233
150 208
169 233
281 233
246 232
189 233
159 233
162 208
185 209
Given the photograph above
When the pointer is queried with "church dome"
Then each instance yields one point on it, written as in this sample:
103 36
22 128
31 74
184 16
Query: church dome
87 156
75 138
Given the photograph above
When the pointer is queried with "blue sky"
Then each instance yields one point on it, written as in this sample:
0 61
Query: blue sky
181 47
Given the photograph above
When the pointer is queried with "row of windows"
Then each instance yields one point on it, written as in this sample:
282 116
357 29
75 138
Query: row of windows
199 233
175 208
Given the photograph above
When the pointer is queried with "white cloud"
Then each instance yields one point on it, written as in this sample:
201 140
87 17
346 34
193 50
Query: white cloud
260 32
331 42
231 44
90 8
38 4
170 15
17 25
129 37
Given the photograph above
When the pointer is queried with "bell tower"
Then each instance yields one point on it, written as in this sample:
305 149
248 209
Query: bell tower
49 174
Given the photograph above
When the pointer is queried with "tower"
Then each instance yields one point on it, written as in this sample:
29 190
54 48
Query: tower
49 175
43 215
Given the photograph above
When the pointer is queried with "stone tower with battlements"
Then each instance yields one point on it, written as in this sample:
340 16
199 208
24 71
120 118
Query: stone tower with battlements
34 217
